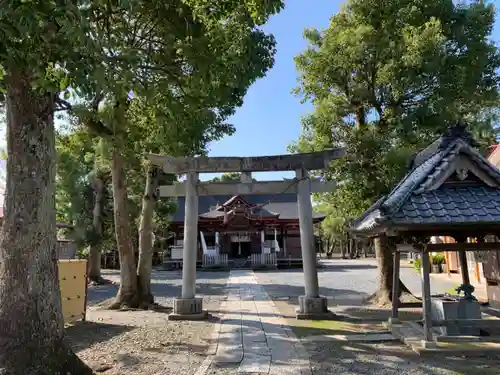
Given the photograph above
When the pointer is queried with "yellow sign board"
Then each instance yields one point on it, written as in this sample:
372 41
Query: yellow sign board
73 284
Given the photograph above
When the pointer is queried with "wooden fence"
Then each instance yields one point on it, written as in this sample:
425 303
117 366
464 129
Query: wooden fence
214 260
73 285
262 259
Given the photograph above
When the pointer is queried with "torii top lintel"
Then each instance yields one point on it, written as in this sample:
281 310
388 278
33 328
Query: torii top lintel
273 163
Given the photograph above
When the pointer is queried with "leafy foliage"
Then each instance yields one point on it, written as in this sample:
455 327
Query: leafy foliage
79 157
230 176
387 77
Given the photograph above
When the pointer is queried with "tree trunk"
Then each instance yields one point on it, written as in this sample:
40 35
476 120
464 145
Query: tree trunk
383 253
31 321
353 249
127 295
145 262
95 248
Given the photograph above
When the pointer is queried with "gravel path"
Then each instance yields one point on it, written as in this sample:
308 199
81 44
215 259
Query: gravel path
346 283
343 282
391 359
146 342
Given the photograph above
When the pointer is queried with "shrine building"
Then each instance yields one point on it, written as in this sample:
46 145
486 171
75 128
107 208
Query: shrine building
258 229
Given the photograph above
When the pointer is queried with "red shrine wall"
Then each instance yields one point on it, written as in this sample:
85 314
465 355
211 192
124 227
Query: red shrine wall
292 247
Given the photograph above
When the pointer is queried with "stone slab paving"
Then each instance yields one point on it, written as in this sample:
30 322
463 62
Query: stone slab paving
364 337
253 335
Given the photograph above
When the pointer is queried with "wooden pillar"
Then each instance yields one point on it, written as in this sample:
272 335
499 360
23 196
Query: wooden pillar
284 242
426 294
476 263
464 267
395 284
217 243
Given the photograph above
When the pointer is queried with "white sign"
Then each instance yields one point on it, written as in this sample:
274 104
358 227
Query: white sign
176 252
240 238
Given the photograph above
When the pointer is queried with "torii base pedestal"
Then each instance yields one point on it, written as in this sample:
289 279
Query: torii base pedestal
314 308
188 309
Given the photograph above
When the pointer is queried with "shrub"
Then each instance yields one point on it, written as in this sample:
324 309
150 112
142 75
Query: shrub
438 259
417 263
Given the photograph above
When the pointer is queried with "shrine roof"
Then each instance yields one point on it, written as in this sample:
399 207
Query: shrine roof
449 184
254 210
283 205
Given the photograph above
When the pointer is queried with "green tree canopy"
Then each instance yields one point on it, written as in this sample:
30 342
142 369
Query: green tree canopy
386 78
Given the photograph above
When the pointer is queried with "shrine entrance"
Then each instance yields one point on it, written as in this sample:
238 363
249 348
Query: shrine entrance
188 306
240 250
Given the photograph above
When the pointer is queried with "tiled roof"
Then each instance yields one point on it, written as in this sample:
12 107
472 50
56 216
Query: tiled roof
450 205
289 211
256 211
422 197
285 205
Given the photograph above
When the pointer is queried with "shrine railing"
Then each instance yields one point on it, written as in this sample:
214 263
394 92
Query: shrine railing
264 259
214 260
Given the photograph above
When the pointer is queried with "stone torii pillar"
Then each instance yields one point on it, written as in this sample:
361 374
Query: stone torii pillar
311 305
187 306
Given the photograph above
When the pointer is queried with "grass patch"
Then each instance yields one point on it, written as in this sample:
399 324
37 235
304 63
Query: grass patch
452 290
304 328
469 345
477 371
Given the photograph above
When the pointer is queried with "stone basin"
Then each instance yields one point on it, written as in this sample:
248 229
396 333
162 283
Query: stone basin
450 308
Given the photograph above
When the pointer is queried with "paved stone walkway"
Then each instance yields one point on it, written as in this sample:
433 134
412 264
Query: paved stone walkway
253 336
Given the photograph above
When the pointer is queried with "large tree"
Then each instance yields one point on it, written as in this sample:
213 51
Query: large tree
385 78
35 38
201 61
82 193
100 50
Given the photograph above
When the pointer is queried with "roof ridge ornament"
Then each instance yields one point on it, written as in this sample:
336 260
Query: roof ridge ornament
459 130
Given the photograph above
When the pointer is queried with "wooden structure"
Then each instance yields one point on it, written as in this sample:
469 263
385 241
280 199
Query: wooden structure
73 285
237 209
450 190
243 226
482 269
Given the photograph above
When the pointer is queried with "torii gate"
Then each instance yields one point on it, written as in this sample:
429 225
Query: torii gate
188 307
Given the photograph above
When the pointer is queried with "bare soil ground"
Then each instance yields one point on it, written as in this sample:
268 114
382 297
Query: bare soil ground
116 342
141 342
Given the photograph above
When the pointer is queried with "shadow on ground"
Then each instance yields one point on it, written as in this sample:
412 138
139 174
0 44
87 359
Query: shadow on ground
167 285
164 285
84 334
392 358
348 357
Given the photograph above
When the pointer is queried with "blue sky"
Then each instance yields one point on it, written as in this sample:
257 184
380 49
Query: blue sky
269 119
